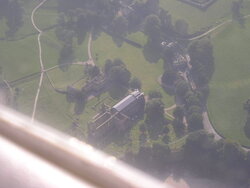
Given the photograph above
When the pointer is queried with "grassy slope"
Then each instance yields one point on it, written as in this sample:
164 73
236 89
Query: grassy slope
53 108
135 61
230 85
20 58
197 18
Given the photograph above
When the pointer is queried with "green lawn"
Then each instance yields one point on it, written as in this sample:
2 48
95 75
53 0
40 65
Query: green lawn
230 85
134 60
20 57
197 18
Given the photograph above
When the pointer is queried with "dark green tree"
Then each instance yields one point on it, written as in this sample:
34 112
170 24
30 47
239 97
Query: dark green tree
178 113
179 127
169 77
119 26
153 94
160 156
152 26
107 66
135 83
202 61
247 127
236 11
66 56
92 71
155 111
195 122
14 16
246 106
119 76
182 87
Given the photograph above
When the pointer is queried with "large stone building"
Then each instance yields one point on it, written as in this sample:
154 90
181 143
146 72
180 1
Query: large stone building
117 118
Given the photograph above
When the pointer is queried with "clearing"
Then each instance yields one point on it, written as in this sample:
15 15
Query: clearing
230 85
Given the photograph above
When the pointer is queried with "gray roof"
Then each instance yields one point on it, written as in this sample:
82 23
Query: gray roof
127 101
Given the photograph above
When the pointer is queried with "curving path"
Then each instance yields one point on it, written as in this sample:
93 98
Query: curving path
91 61
215 28
168 109
40 58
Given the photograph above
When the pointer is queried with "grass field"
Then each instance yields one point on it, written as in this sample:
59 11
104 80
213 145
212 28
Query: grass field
230 85
197 18
20 57
134 60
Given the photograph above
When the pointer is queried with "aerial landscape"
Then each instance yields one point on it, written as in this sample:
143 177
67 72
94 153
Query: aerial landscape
163 85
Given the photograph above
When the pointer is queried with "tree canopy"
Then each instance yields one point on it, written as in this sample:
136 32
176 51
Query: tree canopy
13 12
202 61
154 111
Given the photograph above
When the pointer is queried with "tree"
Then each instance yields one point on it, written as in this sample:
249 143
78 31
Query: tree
202 61
178 113
192 99
117 72
3 8
194 109
118 62
169 77
200 154
236 11
66 56
247 127
92 71
14 16
166 22
195 122
182 87
78 97
135 83
152 26
119 26
65 35
107 66
154 94
155 111
160 157
119 76
246 106
179 127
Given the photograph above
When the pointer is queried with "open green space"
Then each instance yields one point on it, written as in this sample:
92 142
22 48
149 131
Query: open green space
20 57
133 57
230 85
198 19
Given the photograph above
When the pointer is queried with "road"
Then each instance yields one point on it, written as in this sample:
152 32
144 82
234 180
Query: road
215 28
206 121
168 109
42 70
91 61
40 58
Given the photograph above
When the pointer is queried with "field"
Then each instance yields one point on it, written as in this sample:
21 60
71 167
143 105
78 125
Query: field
134 60
20 57
198 19
230 85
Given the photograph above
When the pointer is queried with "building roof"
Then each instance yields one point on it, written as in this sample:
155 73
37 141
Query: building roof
127 101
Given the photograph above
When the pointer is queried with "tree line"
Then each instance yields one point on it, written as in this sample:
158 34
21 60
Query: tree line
12 12
202 157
